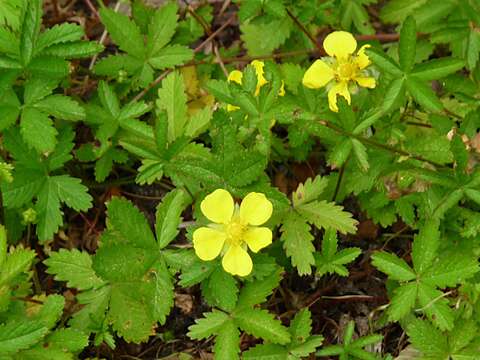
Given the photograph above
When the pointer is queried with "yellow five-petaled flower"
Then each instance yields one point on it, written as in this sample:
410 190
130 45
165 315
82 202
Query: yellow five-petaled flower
342 70
234 229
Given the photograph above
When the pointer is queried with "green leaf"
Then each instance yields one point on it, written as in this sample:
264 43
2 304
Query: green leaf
256 292
68 339
273 34
209 325
301 326
297 242
384 62
340 152
435 306
309 191
37 130
324 215
129 224
32 21
61 33
361 155
16 262
308 347
161 28
74 267
164 291
124 32
397 10
227 342
428 339
393 266
79 49
48 209
72 192
18 336
394 95
61 107
171 56
402 302
260 323
425 245
451 270
168 216
221 289
266 352
172 99
407 44
437 68
198 122
423 94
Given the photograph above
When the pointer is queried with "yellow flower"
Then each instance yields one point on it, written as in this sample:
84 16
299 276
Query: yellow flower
340 69
237 76
234 229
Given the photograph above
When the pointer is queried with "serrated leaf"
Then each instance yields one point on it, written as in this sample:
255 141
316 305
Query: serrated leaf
48 209
32 21
384 62
68 339
210 324
168 216
18 336
301 326
171 56
423 94
161 28
402 301
425 245
164 295
393 266
435 306
428 339
297 242
74 267
451 270
172 99
227 342
324 215
37 130
60 33
124 32
407 44
266 352
72 192
78 49
309 191
129 224
437 68
308 347
261 324
397 10
16 262
256 292
221 290
273 34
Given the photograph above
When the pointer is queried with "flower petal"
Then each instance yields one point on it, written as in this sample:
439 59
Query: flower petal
368 82
237 261
255 209
232 108
281 91
258 65
340 44
208 243
235 76
257 238
218 206
362 60
340 88
318 75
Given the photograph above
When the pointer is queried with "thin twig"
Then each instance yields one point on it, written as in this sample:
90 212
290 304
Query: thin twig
305 31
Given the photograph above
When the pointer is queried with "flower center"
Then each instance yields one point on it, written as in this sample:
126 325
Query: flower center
345 71
234 231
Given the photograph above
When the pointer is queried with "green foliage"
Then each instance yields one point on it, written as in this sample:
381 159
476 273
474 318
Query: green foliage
352 349
308 210
143 52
